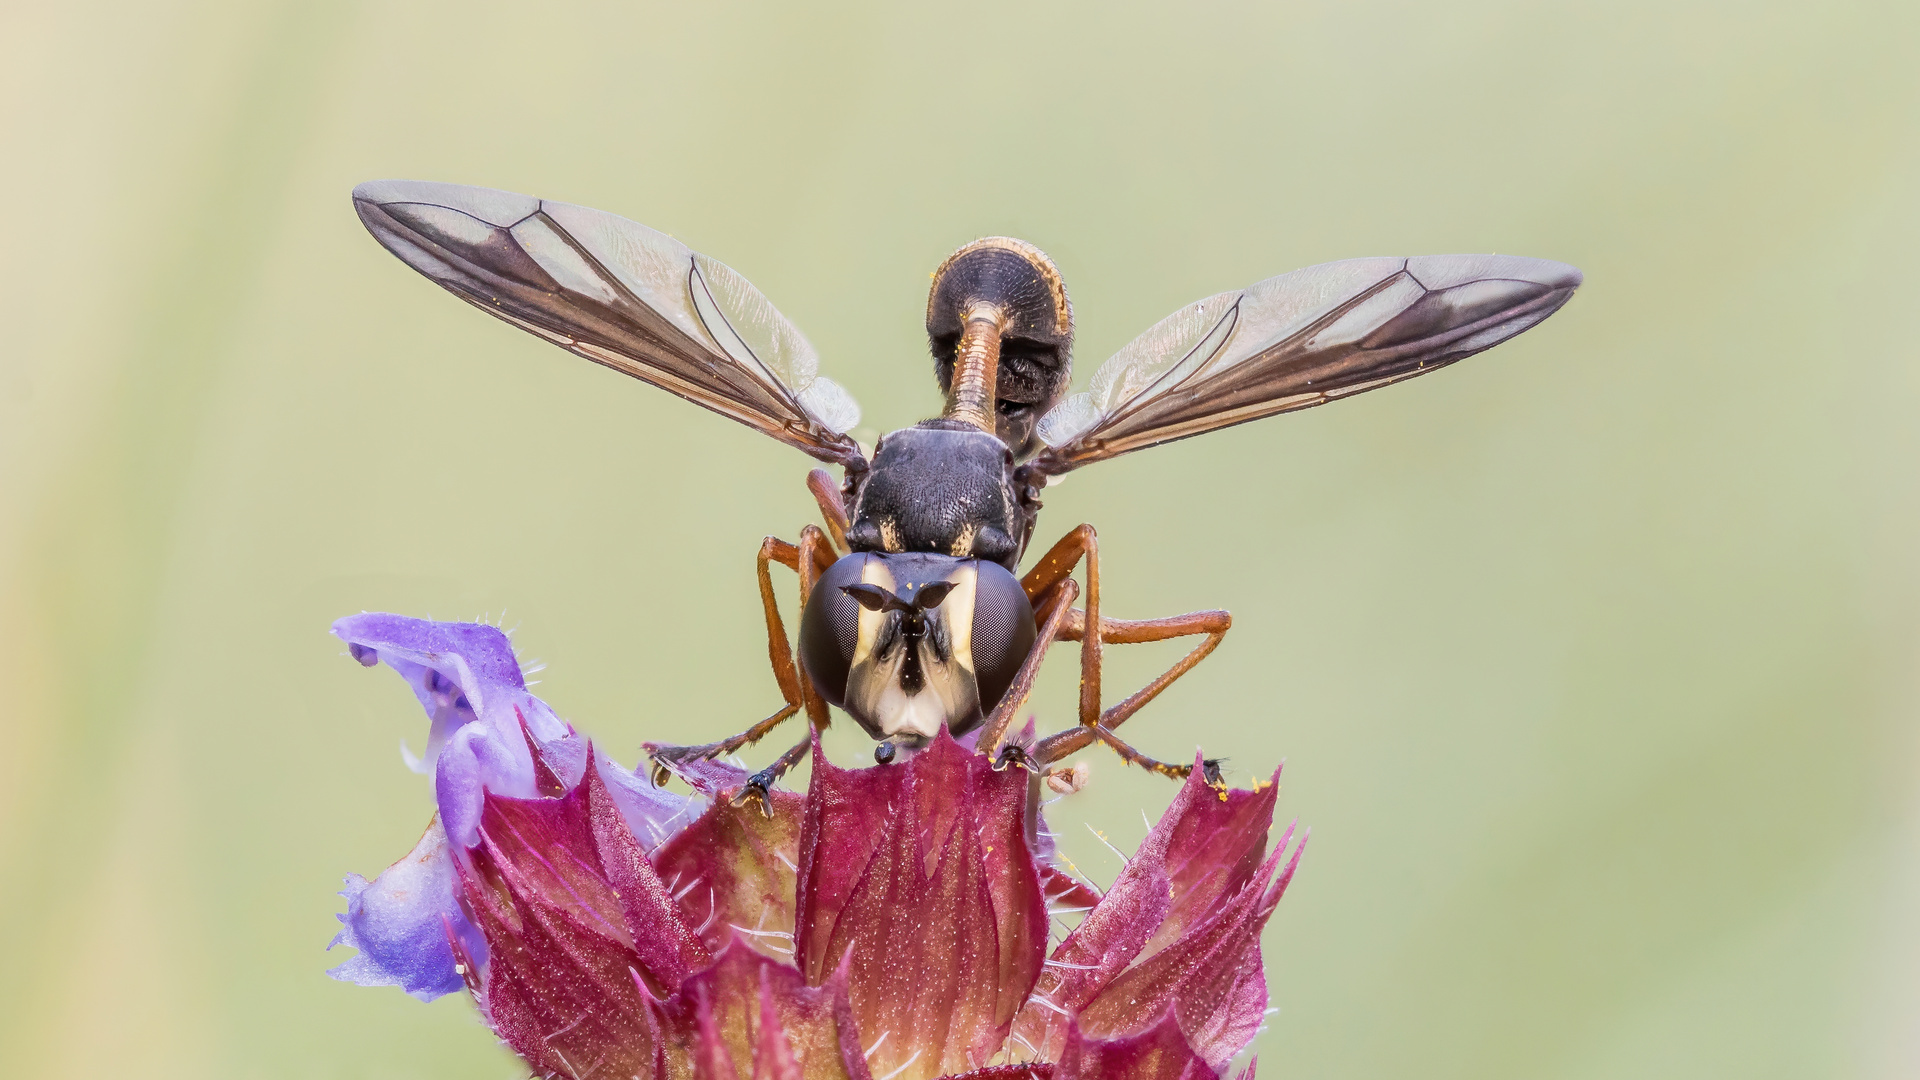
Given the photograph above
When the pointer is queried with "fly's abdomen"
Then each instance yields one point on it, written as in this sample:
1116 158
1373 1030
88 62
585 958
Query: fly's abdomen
1001 329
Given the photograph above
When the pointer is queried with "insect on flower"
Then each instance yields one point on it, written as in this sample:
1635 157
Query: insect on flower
912 617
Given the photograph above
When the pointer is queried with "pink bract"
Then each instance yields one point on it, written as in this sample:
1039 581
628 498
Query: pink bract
893 923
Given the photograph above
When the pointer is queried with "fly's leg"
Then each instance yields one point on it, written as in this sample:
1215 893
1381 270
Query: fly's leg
833 508
795 692
759 784
1212 624
1074 739
1059 608
785 672
815 558
1096 725
1053 568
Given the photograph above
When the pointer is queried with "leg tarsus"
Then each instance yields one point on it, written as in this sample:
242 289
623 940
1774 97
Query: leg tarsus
760 784
665 756
1071 741
1012 756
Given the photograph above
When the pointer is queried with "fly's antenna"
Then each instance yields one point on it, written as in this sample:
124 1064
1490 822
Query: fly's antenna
1001 329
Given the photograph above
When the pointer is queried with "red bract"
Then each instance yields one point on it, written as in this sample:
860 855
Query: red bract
890 923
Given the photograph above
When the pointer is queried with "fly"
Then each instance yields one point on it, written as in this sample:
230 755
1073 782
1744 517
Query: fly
912 616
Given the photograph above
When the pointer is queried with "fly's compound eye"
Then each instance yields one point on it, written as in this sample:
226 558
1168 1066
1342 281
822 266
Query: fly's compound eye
830 625
1003 631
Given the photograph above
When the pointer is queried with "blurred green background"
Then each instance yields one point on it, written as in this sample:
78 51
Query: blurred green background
1593 657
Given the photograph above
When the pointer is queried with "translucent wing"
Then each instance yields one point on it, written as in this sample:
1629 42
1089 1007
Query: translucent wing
1295 341
619 294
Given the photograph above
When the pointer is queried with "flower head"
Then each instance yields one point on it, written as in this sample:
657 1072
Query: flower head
891 924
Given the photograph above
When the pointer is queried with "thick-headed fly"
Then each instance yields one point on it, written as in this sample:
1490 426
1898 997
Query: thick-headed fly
912 616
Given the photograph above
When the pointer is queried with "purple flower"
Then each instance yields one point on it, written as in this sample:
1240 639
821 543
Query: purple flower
893 922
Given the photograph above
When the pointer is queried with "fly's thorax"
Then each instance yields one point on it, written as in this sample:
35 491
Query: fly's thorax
939 488
908 642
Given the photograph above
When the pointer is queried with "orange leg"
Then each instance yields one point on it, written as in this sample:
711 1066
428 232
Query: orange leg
1059 607
810 559
1054 567
1095 725
815 558
833 509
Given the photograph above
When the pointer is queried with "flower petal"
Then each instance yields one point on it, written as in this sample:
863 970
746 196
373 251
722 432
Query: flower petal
1205 846
738 865
1217 844
725 1009
654 814
915 896
1158 1053
580 929
919 877
467 679
487 734
474 657
1212 976
564 997
484 726
399 923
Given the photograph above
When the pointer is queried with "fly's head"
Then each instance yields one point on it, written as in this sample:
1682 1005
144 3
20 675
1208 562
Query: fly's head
906 643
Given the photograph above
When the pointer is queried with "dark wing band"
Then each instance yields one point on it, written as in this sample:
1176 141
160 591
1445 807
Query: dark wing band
622 295
1296 341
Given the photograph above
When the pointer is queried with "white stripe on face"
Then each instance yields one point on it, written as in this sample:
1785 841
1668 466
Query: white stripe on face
949 694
